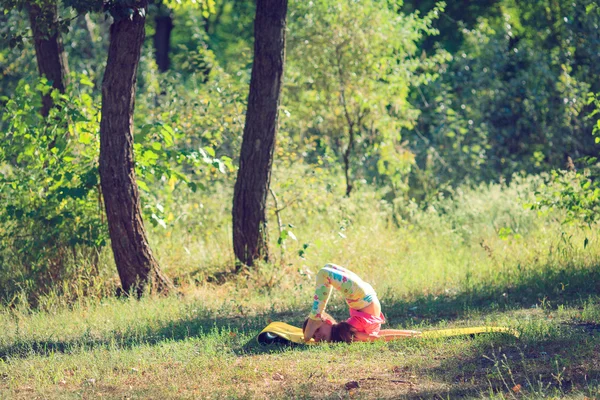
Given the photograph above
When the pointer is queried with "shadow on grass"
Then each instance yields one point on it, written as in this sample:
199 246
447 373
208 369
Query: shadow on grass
568 285
535 366
231 329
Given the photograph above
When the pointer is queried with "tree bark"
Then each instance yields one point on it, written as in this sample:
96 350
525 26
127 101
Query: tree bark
49 51
162 38
250 240
347 160
135 263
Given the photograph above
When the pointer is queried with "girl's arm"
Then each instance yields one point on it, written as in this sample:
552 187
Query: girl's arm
333 276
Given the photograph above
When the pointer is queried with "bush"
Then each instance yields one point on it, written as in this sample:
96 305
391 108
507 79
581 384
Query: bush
51 214
576 192
513 97
347 83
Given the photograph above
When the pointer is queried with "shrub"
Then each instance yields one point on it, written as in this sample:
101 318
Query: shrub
51 213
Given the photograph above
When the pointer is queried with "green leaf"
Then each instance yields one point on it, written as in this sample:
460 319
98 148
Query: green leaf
142 185
210 151
159 221
168 134
586 185
86 81
150 155
146 129
156 146
227 162
85 138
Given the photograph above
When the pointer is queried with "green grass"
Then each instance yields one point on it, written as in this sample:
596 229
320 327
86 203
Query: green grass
172 348
449 265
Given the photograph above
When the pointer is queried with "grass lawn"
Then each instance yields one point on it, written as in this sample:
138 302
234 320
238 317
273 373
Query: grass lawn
191 347
448 268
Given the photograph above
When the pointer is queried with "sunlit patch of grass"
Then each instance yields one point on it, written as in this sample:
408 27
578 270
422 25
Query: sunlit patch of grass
160 347
444 266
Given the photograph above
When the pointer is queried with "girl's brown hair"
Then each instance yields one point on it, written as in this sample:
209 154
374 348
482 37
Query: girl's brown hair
342 332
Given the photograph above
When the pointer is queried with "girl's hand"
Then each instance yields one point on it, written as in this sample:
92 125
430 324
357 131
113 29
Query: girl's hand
311 326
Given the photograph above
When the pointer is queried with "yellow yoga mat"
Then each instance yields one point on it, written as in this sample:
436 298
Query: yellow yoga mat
280 332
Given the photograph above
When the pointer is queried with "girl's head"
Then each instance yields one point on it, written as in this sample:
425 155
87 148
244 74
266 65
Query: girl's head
341 332
332 331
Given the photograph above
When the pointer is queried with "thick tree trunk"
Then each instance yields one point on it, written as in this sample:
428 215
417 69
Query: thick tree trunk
162 38
49 51
134 260
250 241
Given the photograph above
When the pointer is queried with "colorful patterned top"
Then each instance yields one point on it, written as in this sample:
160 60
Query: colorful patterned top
358 293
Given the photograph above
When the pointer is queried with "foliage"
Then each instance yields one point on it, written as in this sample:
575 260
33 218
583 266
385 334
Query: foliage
86 44
191 53
230 34
419 127
160 163
52 214
50 207
464 12
347 82
14 62
206 6
475 212
577 192
185 139
513 97
469 134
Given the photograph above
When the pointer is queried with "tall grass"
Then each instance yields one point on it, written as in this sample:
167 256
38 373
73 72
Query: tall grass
473 240
474 256
477 238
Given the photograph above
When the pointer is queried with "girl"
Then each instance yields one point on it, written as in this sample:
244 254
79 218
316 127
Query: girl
365 310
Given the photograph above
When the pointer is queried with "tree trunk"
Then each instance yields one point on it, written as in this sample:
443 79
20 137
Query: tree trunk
347 171
347 154
134 260
162 38
49 51
250 241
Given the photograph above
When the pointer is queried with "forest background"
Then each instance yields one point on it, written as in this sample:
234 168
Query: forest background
445 152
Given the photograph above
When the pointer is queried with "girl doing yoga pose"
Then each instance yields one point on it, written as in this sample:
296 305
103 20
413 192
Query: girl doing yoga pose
365 319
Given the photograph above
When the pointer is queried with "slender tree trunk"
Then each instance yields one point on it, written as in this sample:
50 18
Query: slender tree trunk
250 241
49 51
162 38
347 154
134 260
349 120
